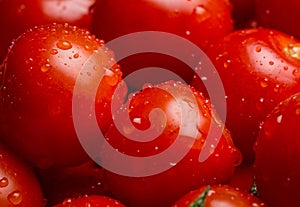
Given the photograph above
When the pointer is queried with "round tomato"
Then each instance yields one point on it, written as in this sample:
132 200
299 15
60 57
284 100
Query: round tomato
38 80
277 166
18 184
219 195
19 15
179 120
258 68
91 201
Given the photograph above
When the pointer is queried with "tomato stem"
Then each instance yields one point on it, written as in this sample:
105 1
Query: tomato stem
200 201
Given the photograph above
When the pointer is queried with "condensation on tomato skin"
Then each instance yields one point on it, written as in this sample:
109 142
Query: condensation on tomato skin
15 198
64 45
4 182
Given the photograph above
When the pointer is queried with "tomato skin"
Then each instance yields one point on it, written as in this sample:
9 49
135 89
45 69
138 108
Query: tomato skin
72 182
37 91
278 14
19 15
258 68
220 195
164 188
277 155
18 184
200 21
184 18
91 201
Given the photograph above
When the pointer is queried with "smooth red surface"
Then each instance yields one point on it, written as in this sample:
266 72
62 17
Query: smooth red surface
277 166
258 68
37 91
18 184
163 189
19 15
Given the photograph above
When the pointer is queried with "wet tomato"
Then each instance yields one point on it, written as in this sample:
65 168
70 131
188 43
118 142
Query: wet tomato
38 82
277 166
181 122
18 184
219 195
19 15
258 68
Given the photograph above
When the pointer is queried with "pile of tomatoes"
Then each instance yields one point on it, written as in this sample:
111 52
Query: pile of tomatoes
59 79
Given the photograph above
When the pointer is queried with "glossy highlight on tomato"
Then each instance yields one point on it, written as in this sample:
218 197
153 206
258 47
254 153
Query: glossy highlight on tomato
277 148
180 123
37 91
258 68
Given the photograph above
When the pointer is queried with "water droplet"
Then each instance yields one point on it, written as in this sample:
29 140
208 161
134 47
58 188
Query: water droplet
258 49
64 45
45 68
76 55
298 111
3 182
264 83
67 202
53 52
188 32
285 68
271 63
15 198
295 72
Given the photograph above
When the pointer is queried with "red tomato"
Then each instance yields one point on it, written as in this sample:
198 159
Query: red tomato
277 166
72 182
183 127
18 185
19 15
200 21
91 201
279 14
258 68
219 195
37 91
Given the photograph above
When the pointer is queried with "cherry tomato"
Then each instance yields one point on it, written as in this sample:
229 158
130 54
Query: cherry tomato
19 15
187 118
18 184
219 195
258 68
279 14
277 166
200 21
91 201
37 91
